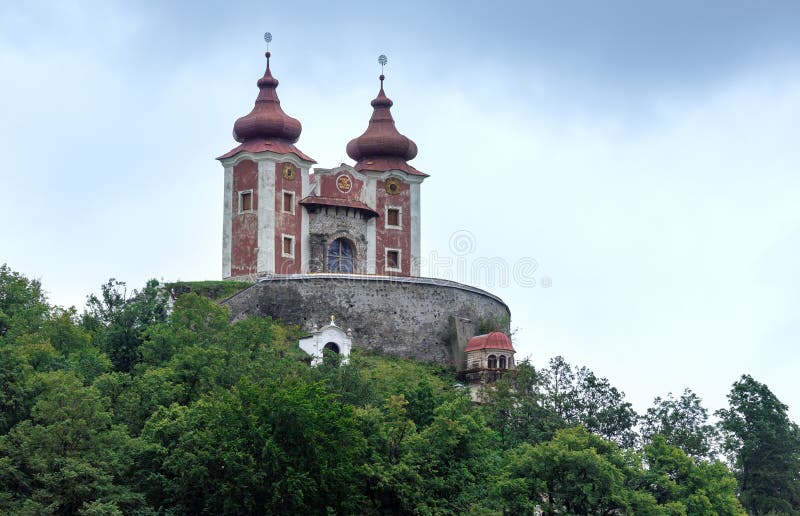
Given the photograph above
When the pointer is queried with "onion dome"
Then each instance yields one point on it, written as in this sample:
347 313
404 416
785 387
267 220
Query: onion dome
494 340
382 147
267 127
267 119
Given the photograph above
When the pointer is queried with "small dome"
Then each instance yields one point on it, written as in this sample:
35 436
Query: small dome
267 121
381 139
495 340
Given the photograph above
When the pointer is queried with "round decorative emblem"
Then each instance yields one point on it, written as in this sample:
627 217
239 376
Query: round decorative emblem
343 183
288 171
392 186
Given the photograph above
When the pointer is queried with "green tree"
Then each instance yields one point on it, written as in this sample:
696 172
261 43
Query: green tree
685 486
517 408
23 306
575 473
67 454
118 321
683 422
582 398
279 447
764 447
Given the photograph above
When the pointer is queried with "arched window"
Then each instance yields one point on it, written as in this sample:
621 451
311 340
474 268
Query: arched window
492 362
340 256
502 361
510 362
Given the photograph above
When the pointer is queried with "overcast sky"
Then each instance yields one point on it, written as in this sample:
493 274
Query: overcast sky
645 156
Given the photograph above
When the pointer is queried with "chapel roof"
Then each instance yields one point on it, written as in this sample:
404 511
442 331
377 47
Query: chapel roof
494 340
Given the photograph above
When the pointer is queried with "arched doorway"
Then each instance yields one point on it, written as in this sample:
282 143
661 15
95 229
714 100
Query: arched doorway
340 256
330 354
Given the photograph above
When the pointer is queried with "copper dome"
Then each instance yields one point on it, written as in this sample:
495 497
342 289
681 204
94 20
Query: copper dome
267 121
381 139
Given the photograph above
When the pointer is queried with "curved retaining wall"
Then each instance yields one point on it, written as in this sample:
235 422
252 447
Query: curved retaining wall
403 316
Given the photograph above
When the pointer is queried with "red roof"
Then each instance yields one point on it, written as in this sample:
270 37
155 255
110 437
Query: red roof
261 145
318 200
382 147
494 340
384 164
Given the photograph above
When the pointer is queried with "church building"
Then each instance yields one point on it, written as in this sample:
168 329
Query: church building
346 241
280 217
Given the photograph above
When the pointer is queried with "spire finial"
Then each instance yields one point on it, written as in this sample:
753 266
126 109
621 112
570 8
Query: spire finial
333 318
268 39
382 59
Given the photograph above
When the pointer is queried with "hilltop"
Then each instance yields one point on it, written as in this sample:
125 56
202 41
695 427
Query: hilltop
140 406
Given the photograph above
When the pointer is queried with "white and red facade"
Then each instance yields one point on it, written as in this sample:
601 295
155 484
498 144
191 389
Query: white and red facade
280 217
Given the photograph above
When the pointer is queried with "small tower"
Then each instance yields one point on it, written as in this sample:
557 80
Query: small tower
488 356
265 178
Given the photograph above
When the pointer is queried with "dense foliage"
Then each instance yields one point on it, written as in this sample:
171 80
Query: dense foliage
142 406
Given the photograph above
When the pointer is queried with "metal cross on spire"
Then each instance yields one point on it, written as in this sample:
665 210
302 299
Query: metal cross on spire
382 59
268 38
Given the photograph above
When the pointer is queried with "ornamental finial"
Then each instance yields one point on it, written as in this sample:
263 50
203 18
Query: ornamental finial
382 60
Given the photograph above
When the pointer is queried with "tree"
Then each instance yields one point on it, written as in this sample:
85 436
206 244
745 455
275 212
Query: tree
280 447
685 485
764 448
23 306
517 408
67 454
582 398
118 321
683 423
575 473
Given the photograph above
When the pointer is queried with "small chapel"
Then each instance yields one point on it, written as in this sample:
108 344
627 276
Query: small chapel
346 241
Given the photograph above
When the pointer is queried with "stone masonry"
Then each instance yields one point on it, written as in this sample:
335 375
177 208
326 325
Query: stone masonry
410 317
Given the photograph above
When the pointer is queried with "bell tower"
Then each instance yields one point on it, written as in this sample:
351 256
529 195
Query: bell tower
266 176
382 154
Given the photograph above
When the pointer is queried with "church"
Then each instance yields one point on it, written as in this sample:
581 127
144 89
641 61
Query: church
346 241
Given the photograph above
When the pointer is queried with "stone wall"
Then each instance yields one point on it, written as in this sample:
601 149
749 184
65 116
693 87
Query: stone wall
403 316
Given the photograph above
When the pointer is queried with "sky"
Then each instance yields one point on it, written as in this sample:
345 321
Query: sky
633 167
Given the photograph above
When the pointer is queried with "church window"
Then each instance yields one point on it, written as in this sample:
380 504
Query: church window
393 260
393 218
288 247
288 202
502 361
245 201
492 362
340 256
